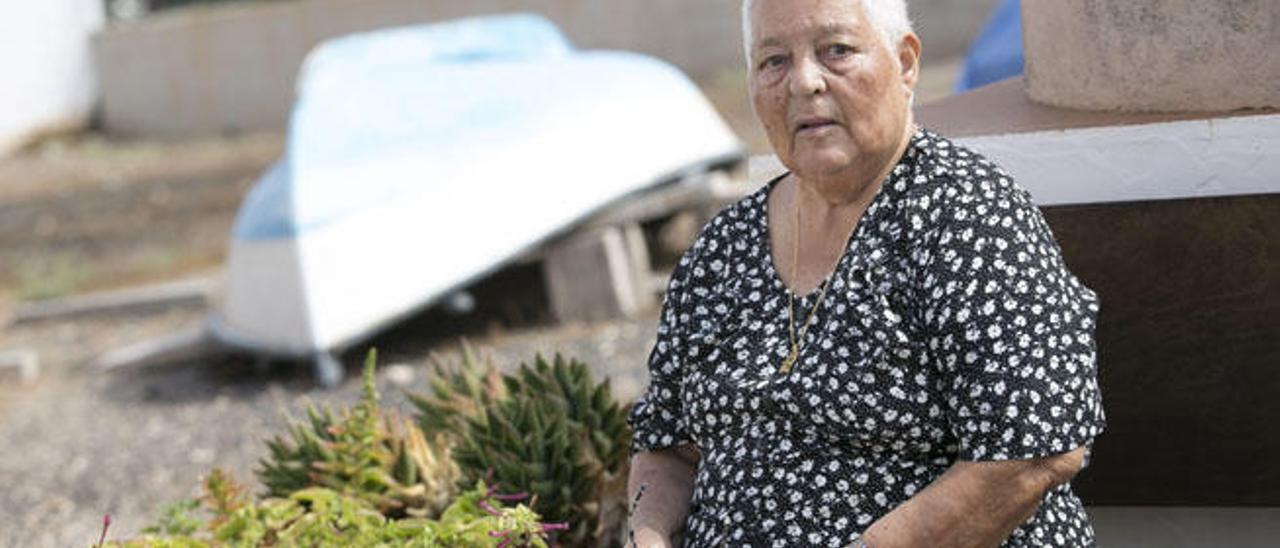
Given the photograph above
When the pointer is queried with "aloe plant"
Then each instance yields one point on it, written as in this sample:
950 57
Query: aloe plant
562 437
458 391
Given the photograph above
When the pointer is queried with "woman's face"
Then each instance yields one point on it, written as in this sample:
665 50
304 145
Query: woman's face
834 99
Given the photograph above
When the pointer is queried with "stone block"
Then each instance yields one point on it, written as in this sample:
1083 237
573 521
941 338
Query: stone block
1153 55
598 275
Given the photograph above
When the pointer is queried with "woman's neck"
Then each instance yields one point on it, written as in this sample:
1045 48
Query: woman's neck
821 219
842 191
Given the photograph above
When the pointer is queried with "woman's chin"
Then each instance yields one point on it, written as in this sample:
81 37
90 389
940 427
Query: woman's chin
821 163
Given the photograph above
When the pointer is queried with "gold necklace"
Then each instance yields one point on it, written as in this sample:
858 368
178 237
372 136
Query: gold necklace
794 355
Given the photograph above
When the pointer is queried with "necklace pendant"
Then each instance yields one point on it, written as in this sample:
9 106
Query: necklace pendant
790 361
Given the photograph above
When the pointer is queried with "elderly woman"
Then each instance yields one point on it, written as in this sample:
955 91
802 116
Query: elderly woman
881 347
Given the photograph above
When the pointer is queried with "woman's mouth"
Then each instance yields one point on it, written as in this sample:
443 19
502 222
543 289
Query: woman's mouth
814 125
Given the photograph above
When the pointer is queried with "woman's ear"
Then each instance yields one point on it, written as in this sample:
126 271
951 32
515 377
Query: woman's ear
909 60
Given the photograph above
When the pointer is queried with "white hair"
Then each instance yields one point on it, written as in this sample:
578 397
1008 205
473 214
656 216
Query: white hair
888 17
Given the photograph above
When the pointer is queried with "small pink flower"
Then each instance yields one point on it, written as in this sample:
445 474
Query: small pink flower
512 497
106 524
489 508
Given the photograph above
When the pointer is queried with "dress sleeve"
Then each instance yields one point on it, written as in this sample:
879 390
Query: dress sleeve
657 419
1011 329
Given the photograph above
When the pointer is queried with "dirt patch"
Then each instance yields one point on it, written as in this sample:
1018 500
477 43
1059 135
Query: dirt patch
86 214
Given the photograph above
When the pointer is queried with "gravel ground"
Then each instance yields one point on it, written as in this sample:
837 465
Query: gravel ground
85 213
82 443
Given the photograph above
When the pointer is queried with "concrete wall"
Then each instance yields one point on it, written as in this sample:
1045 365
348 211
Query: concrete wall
947 27
1153 55
46 71
232 68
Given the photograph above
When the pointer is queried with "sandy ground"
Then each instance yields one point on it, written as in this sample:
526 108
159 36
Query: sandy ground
87 213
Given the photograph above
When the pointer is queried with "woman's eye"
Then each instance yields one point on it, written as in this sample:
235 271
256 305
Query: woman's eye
838 50
772 61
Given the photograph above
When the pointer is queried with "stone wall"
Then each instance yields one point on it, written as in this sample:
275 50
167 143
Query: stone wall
1153 55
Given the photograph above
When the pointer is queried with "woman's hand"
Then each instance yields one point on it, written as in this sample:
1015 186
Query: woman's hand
660 486
974 504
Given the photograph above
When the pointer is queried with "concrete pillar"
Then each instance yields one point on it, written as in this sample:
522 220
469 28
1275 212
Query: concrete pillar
1153 55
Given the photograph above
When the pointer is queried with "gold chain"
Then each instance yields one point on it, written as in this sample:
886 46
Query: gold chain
794 355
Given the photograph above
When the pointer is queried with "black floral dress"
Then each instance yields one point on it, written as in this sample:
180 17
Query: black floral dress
951 330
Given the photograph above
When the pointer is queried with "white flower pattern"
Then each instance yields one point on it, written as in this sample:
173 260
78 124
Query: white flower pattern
952 330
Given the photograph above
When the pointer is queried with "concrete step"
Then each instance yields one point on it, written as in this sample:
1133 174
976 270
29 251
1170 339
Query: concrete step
1185 527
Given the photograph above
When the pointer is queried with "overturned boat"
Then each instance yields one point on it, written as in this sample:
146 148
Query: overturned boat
423 158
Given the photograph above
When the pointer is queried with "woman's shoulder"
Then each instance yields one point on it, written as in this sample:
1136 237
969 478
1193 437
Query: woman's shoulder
949 177
726 238
734 225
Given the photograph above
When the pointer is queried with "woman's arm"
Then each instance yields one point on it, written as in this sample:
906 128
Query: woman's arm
974 504
667 478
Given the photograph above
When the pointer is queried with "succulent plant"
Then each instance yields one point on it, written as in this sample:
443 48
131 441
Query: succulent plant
560 436
379 457
437 476
587 404
319 516
459 391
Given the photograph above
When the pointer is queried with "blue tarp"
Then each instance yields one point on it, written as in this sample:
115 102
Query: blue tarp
997 52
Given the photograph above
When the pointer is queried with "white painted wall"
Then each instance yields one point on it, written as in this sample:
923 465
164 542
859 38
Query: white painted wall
1184 159
47 78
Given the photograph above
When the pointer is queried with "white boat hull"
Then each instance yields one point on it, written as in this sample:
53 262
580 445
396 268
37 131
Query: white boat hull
390 198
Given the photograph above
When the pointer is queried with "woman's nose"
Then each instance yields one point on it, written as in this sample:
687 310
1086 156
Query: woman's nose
807 77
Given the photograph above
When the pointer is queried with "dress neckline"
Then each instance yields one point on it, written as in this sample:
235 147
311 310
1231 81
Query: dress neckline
849 247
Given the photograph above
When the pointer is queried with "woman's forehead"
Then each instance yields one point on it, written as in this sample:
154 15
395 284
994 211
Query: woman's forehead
778 21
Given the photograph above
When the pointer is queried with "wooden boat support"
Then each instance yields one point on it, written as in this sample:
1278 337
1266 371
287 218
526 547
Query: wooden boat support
604 270
600 274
